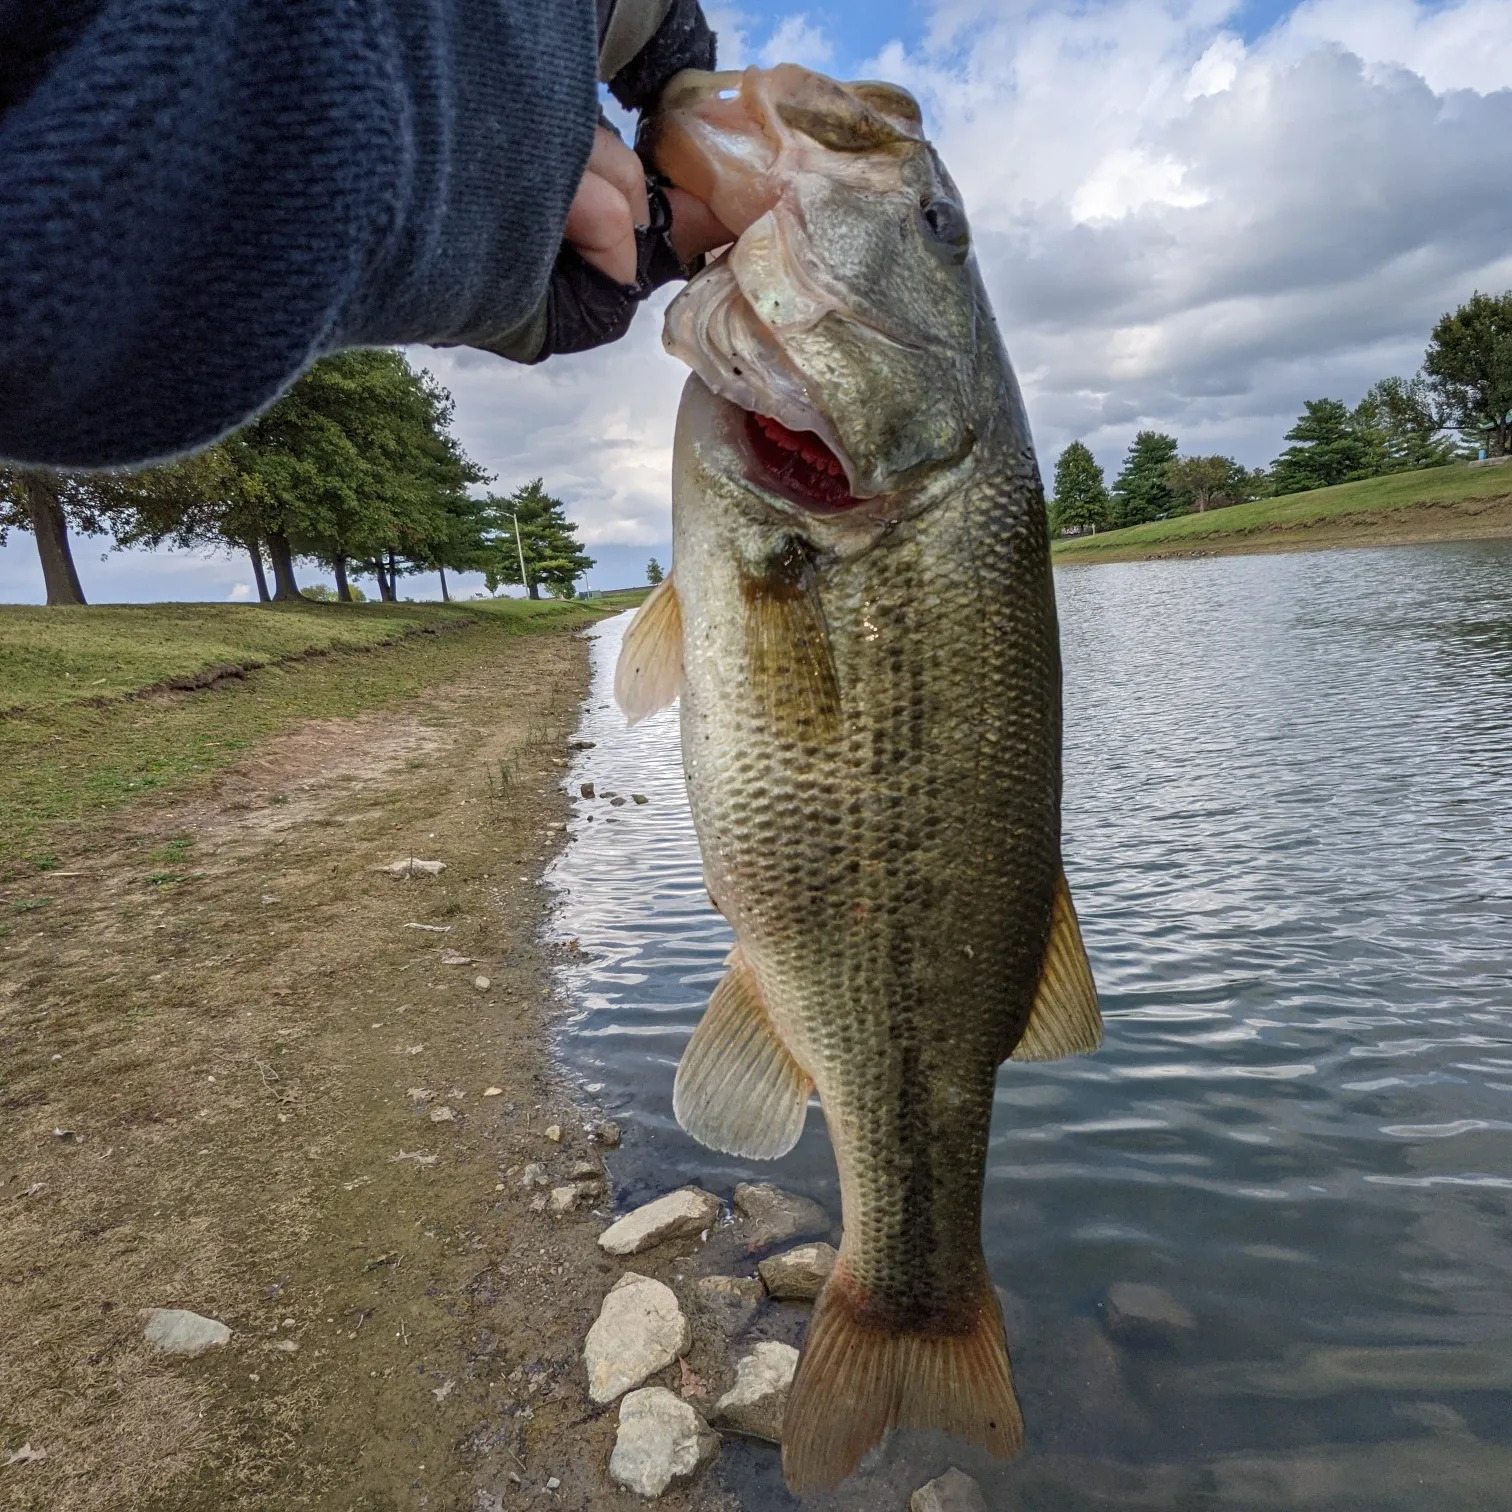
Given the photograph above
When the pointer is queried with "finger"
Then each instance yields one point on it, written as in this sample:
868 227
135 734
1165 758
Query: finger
600 226
695 228
612 160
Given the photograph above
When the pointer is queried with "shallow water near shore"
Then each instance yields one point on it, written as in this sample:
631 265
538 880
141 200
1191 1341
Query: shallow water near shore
1288 828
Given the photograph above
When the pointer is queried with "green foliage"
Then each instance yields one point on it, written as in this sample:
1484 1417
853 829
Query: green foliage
1140 492
1397 423
1080 500
1469 369
323 594
1327 449
530 523
1203 483
654 573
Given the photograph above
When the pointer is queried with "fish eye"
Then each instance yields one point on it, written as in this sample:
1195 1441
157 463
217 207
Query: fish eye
945 227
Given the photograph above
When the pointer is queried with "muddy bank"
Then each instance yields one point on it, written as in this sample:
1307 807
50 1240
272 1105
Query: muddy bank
247 1074
1409 525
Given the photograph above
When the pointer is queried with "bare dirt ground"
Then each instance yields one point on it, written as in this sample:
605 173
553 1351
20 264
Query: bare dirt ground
226 1051
1485 519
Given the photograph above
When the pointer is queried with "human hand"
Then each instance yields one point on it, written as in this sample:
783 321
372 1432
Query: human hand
611 202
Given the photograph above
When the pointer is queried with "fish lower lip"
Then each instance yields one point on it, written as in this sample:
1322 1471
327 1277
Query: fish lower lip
807 470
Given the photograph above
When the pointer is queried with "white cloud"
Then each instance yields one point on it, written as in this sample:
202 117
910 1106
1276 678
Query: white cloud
240 591
1181 230
797 40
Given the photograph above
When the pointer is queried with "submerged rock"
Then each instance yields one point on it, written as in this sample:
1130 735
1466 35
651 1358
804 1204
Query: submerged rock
678 1215
1137 1312
730 1300
755 1403
798 1275
661 1441
773 1215
640 1329
607 1133
175 1330
955 1491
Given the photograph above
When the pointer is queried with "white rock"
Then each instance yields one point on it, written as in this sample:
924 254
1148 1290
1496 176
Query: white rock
798 1275
1137 1311
493 1091
534 1175
554 1133
678 1215
757 1400
412 866
661 1441
639 1330
955 1491
442 1114
174 1330
563 1199
773 1215
482 983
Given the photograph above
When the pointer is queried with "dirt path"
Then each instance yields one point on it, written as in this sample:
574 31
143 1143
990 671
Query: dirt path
229 1055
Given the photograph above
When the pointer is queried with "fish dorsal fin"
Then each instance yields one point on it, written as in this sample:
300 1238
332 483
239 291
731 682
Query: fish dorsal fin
649 673
1064 1020
788 657
738 1089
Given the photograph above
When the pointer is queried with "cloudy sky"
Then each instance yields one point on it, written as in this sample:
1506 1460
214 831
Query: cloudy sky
1191 214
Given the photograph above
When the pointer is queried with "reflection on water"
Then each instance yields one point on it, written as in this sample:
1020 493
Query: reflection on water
1289 831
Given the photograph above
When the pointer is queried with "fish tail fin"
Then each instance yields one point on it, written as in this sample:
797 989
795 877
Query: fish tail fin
858 1378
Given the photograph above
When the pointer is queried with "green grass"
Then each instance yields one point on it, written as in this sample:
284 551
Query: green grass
67 757
1297 512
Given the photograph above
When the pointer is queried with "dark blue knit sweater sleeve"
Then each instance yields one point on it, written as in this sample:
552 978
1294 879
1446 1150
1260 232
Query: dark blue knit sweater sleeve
199 197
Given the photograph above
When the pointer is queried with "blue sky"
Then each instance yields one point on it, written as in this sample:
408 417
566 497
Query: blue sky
1191 216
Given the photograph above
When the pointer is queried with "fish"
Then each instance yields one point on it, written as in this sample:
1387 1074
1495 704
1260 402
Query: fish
860 626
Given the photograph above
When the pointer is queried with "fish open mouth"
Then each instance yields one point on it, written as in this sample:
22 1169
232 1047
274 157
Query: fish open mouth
800 462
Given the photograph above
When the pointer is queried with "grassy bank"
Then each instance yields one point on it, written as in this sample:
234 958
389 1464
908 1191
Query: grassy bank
1438 504
93 719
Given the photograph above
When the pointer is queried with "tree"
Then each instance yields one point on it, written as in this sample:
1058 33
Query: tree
530 529
654 573
1140 492
1401 431
1080 500
49 504
1327 449
1201 483
1469 369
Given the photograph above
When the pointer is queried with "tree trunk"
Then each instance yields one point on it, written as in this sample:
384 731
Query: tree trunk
285 588
385 594
343 588
445 596
535 589
51 530
255 552
393 579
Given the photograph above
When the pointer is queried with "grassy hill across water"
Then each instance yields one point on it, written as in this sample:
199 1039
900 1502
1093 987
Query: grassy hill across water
1460 502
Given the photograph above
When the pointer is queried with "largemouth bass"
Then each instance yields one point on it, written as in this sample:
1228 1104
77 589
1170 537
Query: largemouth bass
860 622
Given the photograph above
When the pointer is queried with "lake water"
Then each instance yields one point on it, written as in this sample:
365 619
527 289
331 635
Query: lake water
1288 828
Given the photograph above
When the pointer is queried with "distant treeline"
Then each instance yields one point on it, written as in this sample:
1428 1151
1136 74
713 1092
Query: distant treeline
354 469
1458 406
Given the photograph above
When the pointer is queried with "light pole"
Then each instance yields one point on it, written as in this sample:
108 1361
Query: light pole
524 581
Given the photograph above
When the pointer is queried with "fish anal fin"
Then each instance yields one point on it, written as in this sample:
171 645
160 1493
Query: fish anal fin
857 1379
1065 1018
738 1089
788 657
649 673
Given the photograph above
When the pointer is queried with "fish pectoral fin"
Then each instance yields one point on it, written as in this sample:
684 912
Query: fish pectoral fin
649 673
858 1378
738 1089
1065 1019
788 657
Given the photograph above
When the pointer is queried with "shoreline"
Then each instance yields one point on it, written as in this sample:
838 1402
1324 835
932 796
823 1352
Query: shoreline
248 1078
1431 522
